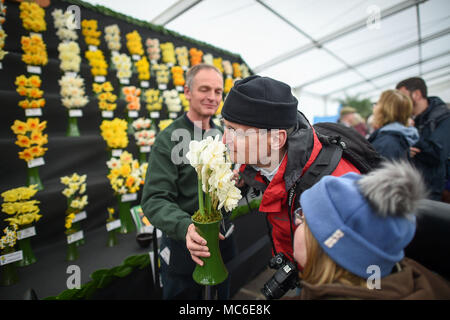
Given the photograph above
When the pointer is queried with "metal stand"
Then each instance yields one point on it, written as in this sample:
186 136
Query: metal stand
209 293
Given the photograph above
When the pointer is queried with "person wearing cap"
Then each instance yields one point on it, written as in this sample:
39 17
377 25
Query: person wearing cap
169 197
275 144
351 234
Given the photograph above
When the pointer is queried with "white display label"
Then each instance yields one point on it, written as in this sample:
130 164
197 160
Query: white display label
34 69
1 66
36 162
75 237
153 61
154 114
162 86
113 225
180 88
145 84
124 81
129 197
170 64
116 152
173 115
33 112
145 149
165 254
71 74
99 79
107 114
92 48
26 233
147 229
11 257
185 68
136 57
75 113
133 114
36 34
80 216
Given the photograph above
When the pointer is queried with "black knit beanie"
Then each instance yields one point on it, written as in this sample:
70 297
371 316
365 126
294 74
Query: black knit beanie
261 102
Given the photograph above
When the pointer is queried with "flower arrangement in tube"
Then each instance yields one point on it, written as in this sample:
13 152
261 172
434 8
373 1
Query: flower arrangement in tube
30 137
35 50
153 49
114 132
168 53
106 99
23 212
196 56
153 100
126 177
90 32
132 95
77 200
172 101
28 87
145 136
134 43
182 57
112 37
33 16
73 98
3 36
162 75
8 274
216 189
65 24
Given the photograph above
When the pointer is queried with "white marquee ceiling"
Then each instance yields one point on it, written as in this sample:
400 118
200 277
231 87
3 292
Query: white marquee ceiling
325 49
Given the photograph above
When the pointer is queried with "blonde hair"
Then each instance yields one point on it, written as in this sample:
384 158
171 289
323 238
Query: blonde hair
321 269
393 106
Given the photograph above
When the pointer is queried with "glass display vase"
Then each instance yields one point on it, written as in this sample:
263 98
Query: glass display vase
72 251
8 274
72 127
27 251
126 220
112 238
34 178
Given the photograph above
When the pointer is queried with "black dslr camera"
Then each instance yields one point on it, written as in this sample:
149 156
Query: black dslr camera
283 280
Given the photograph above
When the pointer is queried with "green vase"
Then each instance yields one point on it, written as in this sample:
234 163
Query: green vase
72 127
28 255
130 129
77 227
143 157
213 270
33 178
8 275
112 238
72 251
126 220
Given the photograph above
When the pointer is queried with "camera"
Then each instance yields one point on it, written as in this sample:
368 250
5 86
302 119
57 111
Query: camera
283 280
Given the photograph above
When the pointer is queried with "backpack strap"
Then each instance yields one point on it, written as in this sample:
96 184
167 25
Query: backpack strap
326 162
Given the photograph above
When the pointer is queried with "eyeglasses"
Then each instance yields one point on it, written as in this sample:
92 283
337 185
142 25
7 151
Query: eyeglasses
240 133
298 217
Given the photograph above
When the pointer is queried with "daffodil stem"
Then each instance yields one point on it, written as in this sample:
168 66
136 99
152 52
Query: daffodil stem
200 197
208 204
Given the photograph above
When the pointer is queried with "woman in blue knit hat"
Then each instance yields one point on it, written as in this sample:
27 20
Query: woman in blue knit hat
351 235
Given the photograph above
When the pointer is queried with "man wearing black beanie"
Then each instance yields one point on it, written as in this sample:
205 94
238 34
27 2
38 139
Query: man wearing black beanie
275 145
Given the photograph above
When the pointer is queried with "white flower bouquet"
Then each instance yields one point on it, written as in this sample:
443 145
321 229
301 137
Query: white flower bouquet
216 189
72 92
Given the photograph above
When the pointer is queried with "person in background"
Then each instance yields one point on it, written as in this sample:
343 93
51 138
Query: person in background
432 119
350 118
351 235
170 195
393 137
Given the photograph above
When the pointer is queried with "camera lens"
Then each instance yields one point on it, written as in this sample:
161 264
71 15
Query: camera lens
272 290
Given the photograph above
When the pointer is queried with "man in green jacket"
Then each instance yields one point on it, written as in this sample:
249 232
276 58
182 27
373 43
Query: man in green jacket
170 197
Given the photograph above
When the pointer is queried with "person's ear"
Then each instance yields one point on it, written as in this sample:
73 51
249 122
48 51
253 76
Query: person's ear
278 138
187 92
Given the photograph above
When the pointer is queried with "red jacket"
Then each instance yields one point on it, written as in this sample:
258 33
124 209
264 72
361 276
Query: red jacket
274 201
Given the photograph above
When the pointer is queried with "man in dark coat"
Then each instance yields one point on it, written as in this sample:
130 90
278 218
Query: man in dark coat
432 119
